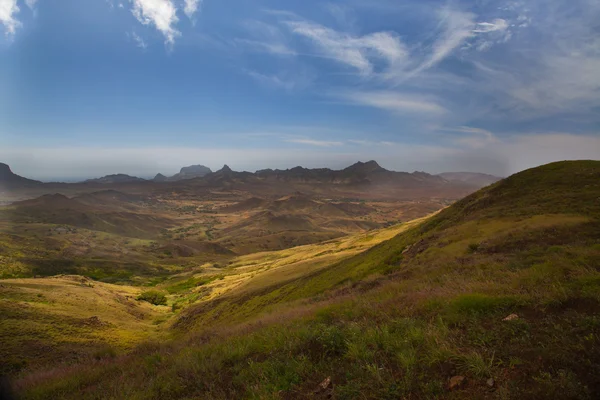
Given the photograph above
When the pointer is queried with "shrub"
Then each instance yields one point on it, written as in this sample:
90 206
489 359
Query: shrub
104 353
154 297
473 247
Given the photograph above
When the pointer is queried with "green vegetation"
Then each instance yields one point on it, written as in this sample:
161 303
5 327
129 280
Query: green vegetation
153 297
395 321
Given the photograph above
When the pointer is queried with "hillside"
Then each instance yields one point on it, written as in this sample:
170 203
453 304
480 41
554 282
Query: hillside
105 211
68 317
495 297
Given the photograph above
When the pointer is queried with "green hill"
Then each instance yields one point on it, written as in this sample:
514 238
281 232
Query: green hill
406 319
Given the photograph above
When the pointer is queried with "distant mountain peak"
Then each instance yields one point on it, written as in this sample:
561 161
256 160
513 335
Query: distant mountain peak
225 169
196 170
9 177
191 172
160 178
365 167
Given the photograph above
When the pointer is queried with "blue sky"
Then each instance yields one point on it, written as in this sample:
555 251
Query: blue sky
94 87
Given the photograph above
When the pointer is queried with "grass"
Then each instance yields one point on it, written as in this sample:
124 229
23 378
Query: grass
396 320
68 318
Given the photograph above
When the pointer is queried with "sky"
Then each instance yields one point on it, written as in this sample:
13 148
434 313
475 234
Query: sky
96 87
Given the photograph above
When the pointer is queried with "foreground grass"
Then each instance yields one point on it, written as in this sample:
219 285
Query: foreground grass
400 319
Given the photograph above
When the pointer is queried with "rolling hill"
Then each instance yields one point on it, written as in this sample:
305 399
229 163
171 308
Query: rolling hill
496 296
106 211
116 178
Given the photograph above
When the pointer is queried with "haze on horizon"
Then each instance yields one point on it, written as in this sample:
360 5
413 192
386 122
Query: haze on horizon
146 86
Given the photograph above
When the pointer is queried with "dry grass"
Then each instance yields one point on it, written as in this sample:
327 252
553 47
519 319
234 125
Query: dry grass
69 318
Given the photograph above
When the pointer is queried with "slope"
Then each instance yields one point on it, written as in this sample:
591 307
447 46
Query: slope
68 318
403 318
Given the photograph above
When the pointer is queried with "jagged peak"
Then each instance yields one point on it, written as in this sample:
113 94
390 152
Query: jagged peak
369 166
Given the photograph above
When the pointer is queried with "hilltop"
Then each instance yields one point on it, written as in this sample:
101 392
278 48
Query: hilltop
191 172
9 178
496 296
116 178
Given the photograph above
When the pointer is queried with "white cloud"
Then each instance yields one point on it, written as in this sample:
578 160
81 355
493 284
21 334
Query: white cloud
393 101
358 52
490 33
8 9
498 24
160 13
191 7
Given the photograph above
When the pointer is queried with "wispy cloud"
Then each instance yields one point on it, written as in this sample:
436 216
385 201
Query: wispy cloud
497 25
160 13
455 27
392 101
313 142
191 7
280 81
559 73
266 38
8 9
358 52
361 142
31 3
473 137
139 42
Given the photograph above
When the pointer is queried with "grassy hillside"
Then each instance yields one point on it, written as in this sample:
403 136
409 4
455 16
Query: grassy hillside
399 320
49 321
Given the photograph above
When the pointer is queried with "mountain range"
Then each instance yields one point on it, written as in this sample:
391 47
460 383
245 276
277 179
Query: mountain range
360 173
